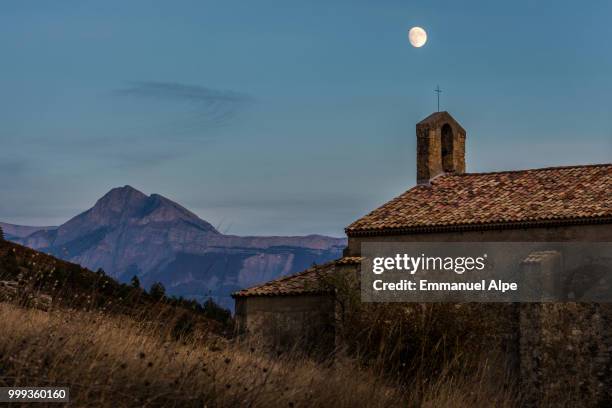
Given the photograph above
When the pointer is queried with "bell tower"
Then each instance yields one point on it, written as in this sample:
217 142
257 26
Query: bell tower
440 146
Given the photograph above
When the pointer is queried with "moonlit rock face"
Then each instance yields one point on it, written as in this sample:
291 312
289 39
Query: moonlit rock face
417 37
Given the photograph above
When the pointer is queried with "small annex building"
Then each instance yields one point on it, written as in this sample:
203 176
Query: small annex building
297 310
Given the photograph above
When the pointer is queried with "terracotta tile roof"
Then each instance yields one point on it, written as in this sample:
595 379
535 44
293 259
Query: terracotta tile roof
476 200
349 260
306 282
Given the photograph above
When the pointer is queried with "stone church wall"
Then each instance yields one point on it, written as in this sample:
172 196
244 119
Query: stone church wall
284 322
565 354
564 351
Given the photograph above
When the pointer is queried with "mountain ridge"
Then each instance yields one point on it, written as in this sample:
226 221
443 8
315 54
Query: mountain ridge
129 233
21 231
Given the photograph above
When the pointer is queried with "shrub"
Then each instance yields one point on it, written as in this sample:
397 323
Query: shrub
157 291
135 282
183 326
9 268
213 311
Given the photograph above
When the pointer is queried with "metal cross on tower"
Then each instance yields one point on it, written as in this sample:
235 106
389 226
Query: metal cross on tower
438 91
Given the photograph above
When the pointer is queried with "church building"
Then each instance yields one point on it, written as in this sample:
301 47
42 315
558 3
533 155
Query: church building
447 204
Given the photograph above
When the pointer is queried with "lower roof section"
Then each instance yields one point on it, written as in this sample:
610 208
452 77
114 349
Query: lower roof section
310 281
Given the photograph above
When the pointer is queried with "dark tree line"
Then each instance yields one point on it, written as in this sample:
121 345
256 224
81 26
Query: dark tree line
208 308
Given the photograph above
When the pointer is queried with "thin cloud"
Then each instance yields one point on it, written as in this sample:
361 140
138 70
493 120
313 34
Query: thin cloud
182 92
206 106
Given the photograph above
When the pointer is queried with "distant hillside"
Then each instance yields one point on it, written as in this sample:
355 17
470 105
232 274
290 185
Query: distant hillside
128 233
34 274
12 231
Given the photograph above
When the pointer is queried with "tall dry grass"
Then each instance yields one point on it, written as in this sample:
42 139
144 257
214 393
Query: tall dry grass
444 354
119 362
115 361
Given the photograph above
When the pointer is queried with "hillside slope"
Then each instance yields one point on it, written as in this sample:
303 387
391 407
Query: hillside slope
37 275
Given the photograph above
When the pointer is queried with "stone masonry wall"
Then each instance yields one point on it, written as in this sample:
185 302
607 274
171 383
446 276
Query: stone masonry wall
564 350
565 354
285 322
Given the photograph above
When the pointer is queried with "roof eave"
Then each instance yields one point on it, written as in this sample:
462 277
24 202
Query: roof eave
238 295
478 226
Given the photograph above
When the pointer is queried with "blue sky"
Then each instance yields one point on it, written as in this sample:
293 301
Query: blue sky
286 117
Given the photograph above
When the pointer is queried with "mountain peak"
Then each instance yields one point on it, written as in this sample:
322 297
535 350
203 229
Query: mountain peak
121 200
122 193
126 208
127 203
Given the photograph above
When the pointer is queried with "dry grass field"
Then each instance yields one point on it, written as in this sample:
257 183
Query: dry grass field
119 362
116 361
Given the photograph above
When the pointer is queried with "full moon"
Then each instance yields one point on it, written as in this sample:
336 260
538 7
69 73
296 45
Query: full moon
417 37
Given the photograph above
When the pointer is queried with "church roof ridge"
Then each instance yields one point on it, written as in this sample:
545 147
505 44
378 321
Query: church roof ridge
566 167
